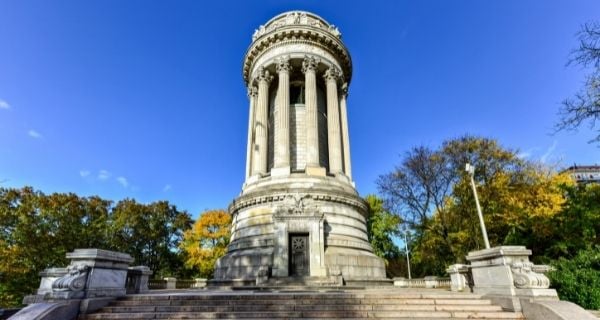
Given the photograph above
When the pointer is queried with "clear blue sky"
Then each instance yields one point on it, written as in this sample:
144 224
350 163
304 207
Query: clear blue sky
145 99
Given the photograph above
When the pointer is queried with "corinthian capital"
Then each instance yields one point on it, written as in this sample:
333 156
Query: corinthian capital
282 64
309 63
344 89
264 75
332 74
252 91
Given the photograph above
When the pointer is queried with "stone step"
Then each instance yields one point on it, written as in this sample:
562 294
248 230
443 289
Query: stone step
293 307
311 305
313 295
311 315
461 302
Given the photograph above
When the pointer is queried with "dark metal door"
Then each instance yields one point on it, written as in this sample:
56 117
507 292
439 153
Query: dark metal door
299 263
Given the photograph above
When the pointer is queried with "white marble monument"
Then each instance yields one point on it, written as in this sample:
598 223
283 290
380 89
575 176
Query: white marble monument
299 214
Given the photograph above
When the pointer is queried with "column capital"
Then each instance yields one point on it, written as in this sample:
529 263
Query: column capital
310 63
264 75
344 90
282 64
332 73
252 92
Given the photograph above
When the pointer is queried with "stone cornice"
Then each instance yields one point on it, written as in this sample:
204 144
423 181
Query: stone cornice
297 34
277 197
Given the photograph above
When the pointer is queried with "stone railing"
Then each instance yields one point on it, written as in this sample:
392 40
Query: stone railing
430 282
174 283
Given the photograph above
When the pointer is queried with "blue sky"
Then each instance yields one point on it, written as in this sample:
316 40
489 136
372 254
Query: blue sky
145 99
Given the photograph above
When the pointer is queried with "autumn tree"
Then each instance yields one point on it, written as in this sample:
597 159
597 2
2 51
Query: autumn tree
431 191
207 241
584 106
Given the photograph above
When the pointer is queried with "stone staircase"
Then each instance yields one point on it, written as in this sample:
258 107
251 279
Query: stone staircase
334 304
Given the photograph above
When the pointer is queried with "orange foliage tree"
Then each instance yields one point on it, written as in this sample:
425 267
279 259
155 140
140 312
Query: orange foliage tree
207 241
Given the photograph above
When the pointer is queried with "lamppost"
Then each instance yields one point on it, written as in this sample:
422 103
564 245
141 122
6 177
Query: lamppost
406 250
471 170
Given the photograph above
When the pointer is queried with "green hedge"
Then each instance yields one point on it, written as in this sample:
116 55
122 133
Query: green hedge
578 279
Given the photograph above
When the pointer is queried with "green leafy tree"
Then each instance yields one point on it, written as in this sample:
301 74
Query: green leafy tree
577 227
382 227
207 241
150 234
577 279
38 230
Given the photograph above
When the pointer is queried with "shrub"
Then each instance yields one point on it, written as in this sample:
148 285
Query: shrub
578 279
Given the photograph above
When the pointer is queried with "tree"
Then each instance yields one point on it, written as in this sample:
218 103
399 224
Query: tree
207 241
584 106
417 187
150 234
577 227
421 187
519 199
382 226
577 279
36 231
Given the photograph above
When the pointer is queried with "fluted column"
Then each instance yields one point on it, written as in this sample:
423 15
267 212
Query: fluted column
261 122
333 121
309 67
282 119
345 136
252 92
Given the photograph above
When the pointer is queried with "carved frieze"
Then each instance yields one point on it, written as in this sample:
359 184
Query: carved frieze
248 201
298 205
296 18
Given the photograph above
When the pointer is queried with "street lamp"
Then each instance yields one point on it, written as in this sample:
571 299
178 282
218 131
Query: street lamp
406 249
471 171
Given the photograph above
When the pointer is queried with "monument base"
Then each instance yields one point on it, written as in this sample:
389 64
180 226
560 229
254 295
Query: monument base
505 275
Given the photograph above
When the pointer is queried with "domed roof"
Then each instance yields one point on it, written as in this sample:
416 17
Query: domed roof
297 27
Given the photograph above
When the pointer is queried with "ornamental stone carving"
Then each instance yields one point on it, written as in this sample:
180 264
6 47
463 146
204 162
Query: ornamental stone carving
252 91
283 64
526 278
298 204
310 63
344 90
295 18
264 75
74 280
332 74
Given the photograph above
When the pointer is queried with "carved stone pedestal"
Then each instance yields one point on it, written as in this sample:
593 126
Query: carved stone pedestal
93 279
505 275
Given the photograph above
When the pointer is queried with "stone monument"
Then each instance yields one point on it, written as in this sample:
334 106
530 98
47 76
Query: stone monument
299 214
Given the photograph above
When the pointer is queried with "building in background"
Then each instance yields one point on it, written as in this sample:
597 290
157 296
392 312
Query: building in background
584 174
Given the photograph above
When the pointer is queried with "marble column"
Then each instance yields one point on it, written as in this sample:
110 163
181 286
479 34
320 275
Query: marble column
309 67
345 136
282 120
252 92
261 122
333 121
